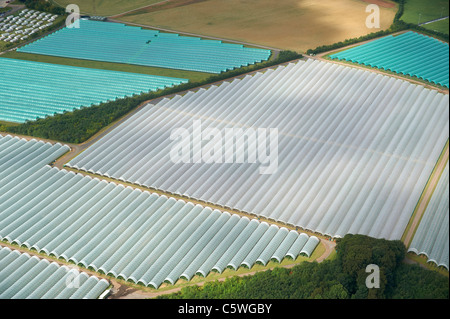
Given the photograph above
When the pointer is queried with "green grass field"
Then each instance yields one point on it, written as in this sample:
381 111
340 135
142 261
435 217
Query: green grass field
419 11
439 26
9 124
193 76
106 7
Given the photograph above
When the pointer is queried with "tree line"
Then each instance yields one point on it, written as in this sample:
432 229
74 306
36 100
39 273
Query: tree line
44 6
81 124
341 278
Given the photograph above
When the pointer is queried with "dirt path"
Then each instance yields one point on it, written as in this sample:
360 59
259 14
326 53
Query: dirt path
435 20
426 196
329 248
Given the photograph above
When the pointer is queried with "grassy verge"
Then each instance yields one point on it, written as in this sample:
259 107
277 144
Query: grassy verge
419 11
422 196
8 123
423 261
438 26
192 76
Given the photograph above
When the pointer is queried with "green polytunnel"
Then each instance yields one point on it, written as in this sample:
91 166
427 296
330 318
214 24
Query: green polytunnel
28 91
144 47
409 53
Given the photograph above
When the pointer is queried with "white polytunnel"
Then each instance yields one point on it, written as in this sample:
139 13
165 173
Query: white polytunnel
120 231
347 162
270 248
432 236
283 249
259 248
310 246
25 277
297 246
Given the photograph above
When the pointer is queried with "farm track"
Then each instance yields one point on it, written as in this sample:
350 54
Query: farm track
426 196
435 20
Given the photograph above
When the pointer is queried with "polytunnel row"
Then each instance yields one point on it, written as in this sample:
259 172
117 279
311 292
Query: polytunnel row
347 162
27 92
128 233
432 236
98 41
26 277
410 53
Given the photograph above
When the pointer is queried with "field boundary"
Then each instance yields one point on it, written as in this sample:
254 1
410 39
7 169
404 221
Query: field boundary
324 56
195 35
425 197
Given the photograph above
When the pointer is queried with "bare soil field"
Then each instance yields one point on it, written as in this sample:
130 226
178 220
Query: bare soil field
286 24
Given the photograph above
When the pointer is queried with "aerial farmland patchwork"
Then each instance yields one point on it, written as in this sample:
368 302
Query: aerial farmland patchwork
200 150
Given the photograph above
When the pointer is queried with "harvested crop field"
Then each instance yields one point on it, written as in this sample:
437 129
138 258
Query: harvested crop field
286 24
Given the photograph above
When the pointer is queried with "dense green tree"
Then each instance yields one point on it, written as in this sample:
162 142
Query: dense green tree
43 5
342 278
